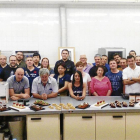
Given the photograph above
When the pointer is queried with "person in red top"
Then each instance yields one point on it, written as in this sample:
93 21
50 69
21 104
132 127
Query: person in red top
100 84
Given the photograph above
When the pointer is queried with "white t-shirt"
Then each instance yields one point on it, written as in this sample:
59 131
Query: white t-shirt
86 79
128 73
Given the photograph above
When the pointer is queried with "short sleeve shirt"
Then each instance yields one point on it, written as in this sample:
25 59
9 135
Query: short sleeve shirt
18 86
128 73
39 88
62 80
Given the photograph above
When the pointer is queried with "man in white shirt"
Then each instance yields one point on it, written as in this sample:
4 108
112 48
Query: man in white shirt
131 76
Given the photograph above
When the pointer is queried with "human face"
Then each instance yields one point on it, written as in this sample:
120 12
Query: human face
80 68
19 56
123 63
44 78
133 54
100 72
113 65
61 70
97 60
36 59
131 62
138 60
117 58
65 55
83 59
29 62
77 77
13 61
19 74
45 63
104 60
3 60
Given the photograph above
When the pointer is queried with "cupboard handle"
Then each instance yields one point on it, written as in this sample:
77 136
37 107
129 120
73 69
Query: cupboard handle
117 116
86 117
35 118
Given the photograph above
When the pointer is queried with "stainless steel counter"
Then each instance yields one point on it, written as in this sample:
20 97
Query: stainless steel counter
89 99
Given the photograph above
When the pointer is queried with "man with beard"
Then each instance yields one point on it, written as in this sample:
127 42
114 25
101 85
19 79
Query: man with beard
137 60
70 67
20 62
10 69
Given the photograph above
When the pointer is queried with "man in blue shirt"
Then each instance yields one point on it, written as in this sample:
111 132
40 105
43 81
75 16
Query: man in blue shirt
115 77
30 71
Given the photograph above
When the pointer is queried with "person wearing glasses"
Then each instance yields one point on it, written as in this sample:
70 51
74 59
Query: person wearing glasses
10 69
87 66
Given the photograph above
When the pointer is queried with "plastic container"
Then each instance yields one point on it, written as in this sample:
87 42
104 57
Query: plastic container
132 97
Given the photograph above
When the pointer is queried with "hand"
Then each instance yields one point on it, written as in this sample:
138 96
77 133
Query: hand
25 96
14 98
44 96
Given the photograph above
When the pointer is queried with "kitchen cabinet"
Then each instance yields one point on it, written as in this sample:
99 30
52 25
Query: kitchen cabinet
79 126
43 127
110 126
132 126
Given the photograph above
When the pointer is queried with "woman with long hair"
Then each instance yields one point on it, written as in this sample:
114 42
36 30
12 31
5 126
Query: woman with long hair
77 89
45 64
62 79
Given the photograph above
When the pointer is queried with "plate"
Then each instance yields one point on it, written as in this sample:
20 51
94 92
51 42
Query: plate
101 106
35 109
82 108
20 110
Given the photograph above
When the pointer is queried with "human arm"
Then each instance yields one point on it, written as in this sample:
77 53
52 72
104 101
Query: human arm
92 90
63 88
15 96
109 87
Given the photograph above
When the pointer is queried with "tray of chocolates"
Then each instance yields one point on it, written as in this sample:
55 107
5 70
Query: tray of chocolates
36 107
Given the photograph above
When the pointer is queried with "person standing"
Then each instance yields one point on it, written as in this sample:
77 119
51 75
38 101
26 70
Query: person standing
20 61
93 70
86 65
36 59
115 77
3 63
137 58
131 76
70 67
30 71
10 69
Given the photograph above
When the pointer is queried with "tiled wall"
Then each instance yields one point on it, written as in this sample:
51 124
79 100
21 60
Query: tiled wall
37 27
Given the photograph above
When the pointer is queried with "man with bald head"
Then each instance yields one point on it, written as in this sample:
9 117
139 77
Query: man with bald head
87 66
10 69
3 63
18 85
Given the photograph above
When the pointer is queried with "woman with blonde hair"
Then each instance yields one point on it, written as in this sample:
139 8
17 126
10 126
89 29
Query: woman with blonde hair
45 64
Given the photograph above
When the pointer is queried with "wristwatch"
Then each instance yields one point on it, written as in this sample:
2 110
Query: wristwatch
130 78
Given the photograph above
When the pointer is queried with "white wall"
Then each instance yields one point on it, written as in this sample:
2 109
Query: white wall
38 27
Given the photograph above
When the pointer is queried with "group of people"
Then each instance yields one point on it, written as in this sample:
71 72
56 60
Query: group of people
30 78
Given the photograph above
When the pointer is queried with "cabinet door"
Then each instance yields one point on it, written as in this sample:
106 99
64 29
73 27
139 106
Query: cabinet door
79 126
110 126
132 126
43 127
